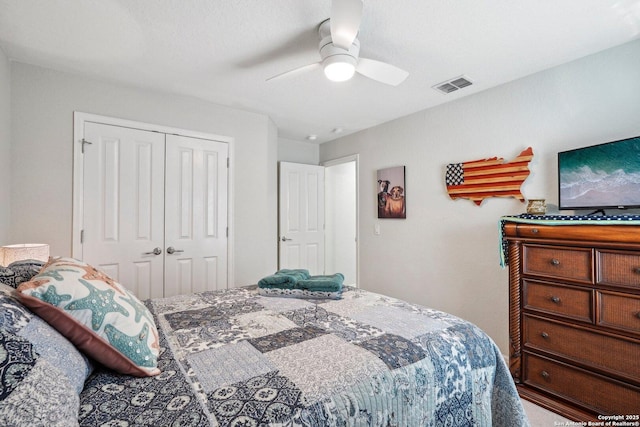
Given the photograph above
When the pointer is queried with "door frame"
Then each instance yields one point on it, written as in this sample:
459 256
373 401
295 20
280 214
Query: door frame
346 159
79 120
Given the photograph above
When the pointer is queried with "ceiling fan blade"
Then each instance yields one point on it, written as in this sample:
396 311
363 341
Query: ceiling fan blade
381 71
295 71
300 43
345 22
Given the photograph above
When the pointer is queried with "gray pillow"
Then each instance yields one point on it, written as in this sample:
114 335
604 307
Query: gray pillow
19 271
41 373
46 341
32 391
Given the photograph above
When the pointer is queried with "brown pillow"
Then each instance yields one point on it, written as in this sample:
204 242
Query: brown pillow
97 314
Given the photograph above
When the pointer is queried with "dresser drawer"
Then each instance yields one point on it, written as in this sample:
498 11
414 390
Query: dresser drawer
596 392
558 262
570 302
619 268
615 355
531 231
619 311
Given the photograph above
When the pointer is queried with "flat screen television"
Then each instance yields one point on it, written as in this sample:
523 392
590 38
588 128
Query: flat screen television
604 176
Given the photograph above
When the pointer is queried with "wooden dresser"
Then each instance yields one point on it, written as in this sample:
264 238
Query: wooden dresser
574 317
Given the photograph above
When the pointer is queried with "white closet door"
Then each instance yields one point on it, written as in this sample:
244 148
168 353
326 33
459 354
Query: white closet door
123 206
301 217
195 215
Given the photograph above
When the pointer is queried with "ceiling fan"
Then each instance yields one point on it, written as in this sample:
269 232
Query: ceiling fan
340 49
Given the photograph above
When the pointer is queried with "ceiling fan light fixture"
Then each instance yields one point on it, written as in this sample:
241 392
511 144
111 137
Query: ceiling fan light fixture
339 49
339 68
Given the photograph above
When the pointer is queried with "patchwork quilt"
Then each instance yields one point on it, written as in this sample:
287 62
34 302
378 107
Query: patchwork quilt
237 358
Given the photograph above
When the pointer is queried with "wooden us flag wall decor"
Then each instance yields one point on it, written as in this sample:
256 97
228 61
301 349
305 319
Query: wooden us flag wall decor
479 179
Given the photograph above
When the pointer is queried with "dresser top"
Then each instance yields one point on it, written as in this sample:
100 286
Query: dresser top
573 219
594 228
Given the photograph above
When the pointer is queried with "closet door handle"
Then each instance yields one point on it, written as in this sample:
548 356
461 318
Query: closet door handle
172 250
156 251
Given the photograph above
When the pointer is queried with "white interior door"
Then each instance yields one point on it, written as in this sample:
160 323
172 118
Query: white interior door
123 205
195 215
301 217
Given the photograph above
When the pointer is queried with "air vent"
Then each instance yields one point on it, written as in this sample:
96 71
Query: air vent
453 84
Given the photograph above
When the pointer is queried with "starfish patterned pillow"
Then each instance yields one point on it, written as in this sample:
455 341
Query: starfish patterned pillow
97 314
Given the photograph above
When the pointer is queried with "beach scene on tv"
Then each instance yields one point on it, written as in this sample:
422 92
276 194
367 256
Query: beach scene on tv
600 176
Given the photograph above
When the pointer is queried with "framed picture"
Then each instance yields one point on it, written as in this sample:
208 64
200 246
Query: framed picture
391 193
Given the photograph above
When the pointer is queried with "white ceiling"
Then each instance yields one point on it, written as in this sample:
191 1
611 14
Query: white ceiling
223 50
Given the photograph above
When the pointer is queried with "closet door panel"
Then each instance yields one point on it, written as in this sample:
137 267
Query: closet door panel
195 215
123 206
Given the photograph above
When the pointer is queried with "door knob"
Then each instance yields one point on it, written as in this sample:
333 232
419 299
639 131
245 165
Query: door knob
172 250
156 251
285 239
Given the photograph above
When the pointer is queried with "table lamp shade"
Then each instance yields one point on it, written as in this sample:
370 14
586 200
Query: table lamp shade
12 253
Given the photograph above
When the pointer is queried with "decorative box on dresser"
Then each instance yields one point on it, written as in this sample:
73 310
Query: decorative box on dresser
574 315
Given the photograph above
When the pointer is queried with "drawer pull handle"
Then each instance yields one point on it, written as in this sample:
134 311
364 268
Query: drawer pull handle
636 270
545 375
545 335
555 261
534 230
638 314
555 299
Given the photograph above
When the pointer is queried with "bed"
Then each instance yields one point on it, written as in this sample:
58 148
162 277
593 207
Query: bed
238 358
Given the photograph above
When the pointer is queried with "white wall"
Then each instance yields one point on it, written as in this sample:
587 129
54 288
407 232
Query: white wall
5 147
43 102
298 152
445 254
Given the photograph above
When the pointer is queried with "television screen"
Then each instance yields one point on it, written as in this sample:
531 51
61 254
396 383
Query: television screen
601 176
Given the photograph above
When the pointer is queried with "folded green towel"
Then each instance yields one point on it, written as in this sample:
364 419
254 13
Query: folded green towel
298 273
330 283
300 279
284 279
